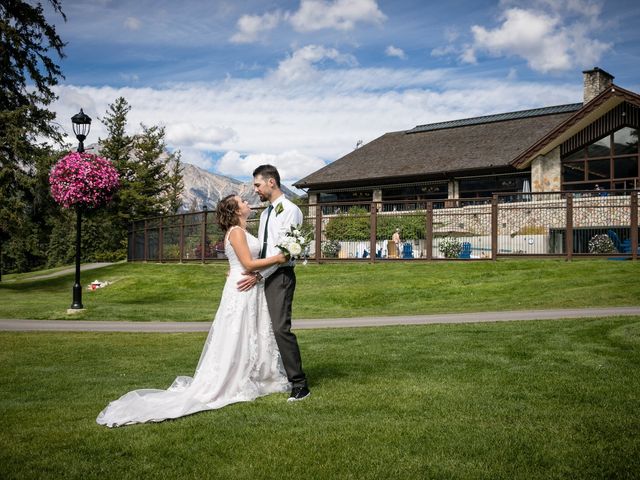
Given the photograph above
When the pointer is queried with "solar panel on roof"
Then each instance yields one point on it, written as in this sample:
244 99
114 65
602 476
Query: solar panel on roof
500 117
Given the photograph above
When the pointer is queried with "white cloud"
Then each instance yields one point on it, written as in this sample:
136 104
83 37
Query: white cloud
302 125
312 15
250 27
291 164
392 51
204 137
547 41
197 158
299 66
468 55
132 23
337 14
444 51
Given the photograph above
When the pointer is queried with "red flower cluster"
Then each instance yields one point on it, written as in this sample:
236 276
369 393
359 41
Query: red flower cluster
83 180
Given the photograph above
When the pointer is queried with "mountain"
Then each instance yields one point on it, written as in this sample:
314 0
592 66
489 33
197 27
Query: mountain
206 188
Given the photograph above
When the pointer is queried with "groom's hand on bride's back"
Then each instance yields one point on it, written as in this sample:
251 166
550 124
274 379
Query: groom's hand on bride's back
247 282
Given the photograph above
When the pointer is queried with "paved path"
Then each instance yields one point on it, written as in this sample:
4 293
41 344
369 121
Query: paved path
173 327
83 268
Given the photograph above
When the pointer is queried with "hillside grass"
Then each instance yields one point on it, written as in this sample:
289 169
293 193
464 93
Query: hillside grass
191 292
515 400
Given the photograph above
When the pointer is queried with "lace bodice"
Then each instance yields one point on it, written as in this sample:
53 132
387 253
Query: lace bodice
235 266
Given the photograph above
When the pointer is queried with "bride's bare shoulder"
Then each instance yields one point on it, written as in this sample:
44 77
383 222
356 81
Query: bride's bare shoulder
235 233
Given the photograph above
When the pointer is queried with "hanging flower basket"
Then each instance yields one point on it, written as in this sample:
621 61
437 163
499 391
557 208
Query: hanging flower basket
83 180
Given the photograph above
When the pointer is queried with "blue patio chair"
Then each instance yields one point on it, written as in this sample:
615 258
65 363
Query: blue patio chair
407 250
614 238
379 253
623 246
365 253
466 250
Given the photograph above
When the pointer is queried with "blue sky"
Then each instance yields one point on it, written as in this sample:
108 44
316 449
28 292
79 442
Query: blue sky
299 83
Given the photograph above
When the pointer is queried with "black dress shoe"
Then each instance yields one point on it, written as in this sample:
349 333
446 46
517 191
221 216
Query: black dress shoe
298 393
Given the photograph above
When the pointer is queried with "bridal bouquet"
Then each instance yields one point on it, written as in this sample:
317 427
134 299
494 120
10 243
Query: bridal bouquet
296 240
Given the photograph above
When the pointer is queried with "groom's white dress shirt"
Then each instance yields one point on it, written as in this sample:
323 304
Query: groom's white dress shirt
280 222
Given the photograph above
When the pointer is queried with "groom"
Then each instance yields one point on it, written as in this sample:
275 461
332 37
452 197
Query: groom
279 280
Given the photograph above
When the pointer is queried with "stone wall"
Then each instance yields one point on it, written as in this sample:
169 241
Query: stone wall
546 172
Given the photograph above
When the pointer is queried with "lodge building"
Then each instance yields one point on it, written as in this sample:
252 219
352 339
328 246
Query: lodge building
574 147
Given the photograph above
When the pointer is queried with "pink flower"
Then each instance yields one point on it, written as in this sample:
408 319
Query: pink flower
84 180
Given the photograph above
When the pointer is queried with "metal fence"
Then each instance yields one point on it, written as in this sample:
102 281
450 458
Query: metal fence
549 224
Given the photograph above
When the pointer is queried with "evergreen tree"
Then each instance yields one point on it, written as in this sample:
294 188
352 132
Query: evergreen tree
175 183
27 75
150 181
118 145
148 192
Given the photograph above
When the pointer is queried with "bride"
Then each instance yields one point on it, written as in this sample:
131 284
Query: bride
240 360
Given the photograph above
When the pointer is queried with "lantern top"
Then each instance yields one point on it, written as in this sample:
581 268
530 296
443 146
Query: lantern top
81 126
81 118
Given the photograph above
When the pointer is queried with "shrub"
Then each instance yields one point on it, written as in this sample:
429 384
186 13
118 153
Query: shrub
330 248
450 247
412 226
356 225
353 225
601 243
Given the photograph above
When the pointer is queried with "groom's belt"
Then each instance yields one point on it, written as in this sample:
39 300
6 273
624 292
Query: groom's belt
285 268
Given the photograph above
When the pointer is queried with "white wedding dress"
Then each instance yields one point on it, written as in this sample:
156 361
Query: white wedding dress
240 360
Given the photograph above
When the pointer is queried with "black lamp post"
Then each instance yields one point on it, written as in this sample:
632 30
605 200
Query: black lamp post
81 126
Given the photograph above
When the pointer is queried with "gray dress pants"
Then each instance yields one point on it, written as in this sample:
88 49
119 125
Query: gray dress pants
279 288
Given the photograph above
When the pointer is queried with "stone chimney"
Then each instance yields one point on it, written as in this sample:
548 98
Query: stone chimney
595 82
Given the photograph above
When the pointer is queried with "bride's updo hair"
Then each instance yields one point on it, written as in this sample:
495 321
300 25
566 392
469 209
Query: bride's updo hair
227 212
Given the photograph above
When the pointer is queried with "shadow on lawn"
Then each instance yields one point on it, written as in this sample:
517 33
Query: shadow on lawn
44 284
321 372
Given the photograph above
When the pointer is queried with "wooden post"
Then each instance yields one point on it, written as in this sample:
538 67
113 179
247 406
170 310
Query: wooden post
160 240
494 227
569 227
181 255
318 233
203 238
373 230
132 238
634 225
429 225
145 248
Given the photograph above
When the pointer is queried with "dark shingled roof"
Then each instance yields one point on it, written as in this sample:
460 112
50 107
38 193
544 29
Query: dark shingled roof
572 107
493 143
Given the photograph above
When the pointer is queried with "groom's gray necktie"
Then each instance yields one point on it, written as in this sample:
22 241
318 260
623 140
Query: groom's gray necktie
263 252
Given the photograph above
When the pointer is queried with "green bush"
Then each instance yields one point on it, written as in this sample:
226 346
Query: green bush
356 225
601 244
353 225
330 248
412 226
450 247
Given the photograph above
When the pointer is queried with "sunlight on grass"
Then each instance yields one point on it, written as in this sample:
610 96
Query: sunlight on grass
191 292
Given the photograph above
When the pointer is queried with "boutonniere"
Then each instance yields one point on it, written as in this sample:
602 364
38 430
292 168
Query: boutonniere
279 209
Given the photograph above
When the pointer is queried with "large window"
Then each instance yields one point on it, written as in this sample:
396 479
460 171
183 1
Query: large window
610 163
357 196
484 187
416 192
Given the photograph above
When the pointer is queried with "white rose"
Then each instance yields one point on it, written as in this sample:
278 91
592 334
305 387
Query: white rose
295 249
296 232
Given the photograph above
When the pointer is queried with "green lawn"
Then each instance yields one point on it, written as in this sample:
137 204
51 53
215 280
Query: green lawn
517 400
190 292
